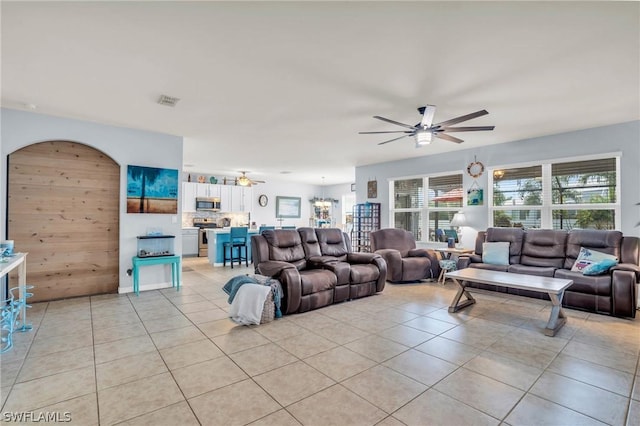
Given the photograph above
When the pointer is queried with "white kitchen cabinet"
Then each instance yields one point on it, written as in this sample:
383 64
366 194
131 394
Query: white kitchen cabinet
225 197
241 198
202 189
190 241
189 193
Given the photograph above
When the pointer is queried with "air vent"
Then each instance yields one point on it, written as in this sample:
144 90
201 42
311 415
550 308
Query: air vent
168 100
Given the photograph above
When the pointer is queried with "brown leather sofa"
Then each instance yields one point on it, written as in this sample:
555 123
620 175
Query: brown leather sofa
552 253
316 267
405 262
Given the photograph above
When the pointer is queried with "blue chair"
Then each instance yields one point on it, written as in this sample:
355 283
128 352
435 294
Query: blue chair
237 240
264 228
440 235
288 227
451 233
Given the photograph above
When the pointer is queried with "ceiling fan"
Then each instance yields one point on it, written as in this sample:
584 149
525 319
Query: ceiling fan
426 129
245 181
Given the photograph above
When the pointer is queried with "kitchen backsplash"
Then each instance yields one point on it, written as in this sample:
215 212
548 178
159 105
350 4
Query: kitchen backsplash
236 219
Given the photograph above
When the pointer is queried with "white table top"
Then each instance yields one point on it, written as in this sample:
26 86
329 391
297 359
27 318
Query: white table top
507 279
11 263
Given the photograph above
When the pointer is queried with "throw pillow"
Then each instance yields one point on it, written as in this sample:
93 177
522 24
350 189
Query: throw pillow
587 256
599 268
496 253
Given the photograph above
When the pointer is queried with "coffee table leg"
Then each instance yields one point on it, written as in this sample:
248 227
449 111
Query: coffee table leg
456 305
557 318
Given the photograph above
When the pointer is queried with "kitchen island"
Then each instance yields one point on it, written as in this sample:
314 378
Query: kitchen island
217 237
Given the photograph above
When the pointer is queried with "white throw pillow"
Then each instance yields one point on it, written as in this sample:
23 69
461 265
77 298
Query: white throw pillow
496 253
587 257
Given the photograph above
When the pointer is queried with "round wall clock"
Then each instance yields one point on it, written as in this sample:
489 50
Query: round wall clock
263 200
475 169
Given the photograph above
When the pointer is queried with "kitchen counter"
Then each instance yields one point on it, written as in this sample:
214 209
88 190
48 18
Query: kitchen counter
216 238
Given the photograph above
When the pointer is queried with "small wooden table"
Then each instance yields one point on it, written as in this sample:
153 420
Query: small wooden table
448 252
554 287
144 261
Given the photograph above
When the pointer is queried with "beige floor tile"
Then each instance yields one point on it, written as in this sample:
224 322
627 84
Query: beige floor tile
633 417
418 308
407 336
176 414
422 367
537 411
228 406
58 362
376 348
454 318
279 329
51 389
598 403
392 389
177 336
197 379
112 309
203 305
293 382
129 369
313 320
4 393
213 314
190 353
371 324
239 339
430 325
609 357
54 328
218 328
166 323
342 313
594 374
306 344
115 321
9 371
635 394
347 408
82 410
136 398
279 418
523 352
504 370
341 333
448 350
395 315
150 314
47 346
390 421
263 358
183 297
436 409
111 334
110 351
480 392
340 363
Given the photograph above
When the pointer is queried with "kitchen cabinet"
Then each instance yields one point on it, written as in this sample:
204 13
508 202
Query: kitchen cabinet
232 198
190 241
189 190
241 198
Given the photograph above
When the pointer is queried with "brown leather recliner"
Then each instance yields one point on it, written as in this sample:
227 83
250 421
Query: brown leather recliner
405 262
310 278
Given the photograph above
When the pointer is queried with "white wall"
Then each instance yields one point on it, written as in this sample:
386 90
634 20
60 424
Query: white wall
623 138
125 147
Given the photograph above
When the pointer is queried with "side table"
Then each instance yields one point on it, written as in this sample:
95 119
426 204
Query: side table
144 261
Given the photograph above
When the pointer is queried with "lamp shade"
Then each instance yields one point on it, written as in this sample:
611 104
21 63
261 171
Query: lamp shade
459 219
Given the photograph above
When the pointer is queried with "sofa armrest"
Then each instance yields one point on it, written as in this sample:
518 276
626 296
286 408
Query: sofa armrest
628 267
292 289
273 268
623 292
320 261
393 260
362 257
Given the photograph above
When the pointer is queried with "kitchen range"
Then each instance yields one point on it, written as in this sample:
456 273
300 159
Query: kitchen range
203 224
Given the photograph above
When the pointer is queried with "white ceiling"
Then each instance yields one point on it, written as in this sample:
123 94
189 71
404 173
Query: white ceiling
270 87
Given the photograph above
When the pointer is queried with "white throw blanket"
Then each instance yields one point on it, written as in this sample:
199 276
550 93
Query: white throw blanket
248 304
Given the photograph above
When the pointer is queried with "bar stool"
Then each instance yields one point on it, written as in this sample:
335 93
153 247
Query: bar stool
446 265
264 228
237 240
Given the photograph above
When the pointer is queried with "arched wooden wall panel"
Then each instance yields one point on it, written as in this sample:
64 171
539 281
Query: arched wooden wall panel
63 209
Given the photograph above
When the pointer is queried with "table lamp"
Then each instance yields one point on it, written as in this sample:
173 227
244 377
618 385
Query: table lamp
459 220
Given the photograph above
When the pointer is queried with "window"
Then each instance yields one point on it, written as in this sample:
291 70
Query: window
557 195
415 209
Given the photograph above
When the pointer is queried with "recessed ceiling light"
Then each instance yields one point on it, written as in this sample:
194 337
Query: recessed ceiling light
168 100
285 172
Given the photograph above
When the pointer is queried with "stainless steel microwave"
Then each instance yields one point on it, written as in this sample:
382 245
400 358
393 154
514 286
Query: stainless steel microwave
208 204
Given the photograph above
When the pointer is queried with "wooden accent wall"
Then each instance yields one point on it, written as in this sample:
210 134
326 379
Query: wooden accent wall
63 209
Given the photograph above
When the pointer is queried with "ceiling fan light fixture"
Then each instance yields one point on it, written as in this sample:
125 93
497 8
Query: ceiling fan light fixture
244 181
423 138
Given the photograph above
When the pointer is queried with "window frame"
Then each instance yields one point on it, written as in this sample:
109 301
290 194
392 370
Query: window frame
548 207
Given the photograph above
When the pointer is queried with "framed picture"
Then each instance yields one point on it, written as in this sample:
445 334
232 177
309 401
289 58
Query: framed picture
152 190
288 207
475 197
353 187
372 189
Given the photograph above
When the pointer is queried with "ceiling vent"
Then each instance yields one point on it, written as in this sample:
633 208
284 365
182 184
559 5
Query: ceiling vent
168 100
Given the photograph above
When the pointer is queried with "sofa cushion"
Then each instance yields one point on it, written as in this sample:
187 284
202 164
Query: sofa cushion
544 247
332 242
597 285
364 272
603 241
285 245
315 280
514 236
496 253
587 257
415 268
599 268
502 268
541 271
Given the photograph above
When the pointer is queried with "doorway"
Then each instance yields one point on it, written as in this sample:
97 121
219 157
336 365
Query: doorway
63 204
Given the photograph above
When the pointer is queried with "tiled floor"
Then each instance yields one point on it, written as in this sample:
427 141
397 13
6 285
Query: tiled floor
169 358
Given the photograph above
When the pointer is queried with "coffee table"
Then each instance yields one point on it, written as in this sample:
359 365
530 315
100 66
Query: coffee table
554 287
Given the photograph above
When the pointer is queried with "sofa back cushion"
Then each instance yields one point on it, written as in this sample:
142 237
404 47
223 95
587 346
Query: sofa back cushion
544 247
393 238
332 242
514 236
310 242
603 241
285 245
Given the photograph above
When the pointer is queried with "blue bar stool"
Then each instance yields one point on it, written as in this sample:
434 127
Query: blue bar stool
264 228
237 240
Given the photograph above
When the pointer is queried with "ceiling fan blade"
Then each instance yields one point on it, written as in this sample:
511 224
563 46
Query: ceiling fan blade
393 122
257 181
389 131
448 138
462 118
427 116
391 140
466 129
